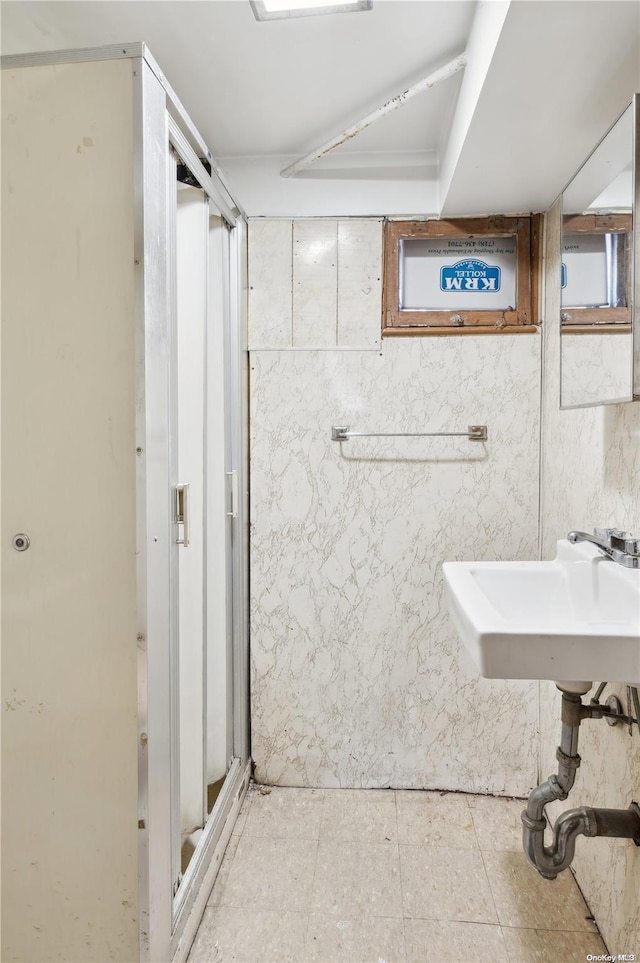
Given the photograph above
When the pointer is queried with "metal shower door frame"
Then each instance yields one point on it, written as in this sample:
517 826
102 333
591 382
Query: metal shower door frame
167 925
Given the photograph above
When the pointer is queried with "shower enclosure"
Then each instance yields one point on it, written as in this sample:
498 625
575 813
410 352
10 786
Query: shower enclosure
124 446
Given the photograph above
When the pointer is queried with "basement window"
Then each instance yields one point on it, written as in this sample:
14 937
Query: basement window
596 273
283 9
465 276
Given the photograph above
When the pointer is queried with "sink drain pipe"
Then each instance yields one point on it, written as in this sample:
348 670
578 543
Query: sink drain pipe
585 821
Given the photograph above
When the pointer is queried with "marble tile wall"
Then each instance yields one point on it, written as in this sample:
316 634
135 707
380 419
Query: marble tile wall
270 279
590 475
325 272
595 367
314 300
358 678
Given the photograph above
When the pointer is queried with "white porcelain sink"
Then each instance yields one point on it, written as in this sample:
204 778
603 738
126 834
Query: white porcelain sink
575 618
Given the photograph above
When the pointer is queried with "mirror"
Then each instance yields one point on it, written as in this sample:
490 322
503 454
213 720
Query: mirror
597 273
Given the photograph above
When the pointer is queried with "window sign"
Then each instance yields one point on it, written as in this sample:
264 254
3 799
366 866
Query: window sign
467 275
449 274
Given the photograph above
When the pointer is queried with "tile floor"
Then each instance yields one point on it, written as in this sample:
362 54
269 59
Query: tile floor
384 876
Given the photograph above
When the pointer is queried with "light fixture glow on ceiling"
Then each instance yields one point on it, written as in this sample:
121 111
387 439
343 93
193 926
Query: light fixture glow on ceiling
281 9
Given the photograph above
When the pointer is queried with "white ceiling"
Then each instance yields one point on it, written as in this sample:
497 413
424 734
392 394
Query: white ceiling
544 80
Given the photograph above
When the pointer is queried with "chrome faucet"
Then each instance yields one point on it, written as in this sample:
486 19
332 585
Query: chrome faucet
619 546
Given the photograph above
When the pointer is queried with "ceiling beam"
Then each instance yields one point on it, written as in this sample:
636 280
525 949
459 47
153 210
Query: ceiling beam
559 75
431 80
483 41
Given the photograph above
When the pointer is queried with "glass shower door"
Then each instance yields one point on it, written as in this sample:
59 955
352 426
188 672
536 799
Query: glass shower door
206 511
190 690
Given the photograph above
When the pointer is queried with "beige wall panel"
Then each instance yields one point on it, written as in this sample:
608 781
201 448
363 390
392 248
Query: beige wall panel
359 282
270 282
315 282
590 471
69 760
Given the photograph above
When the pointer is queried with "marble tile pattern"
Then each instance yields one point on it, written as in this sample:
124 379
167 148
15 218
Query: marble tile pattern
359 282
591 476
358 678
338 877
315 282
595 367
315 290
270 282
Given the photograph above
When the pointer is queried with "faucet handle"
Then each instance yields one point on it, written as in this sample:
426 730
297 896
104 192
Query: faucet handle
620 541
623 542
625 559
607 534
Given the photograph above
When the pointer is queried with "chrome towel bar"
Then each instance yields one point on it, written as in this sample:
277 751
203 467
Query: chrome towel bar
473 433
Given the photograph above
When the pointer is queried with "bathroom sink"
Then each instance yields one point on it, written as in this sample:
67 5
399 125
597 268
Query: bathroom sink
575 618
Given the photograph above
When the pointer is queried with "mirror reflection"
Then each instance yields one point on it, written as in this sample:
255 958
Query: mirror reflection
596 355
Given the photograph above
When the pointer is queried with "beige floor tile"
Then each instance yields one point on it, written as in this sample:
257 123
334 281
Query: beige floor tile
541 946
228 935
223 872
440 941
359 815
316 876
285 813
273 874
497 822
524 899
570 947
430 818
362 940
445 884
357 879
523 945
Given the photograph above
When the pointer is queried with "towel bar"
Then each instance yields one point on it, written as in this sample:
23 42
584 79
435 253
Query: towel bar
473 433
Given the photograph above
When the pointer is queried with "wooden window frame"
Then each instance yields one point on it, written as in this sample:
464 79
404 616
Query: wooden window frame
526 231
600 320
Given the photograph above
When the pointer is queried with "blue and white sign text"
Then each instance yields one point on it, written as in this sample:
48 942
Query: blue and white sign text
470 275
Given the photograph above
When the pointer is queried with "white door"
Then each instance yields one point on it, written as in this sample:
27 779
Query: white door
206 507
191 314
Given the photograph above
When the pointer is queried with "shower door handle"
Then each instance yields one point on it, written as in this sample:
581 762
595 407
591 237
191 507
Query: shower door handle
233 484
182 513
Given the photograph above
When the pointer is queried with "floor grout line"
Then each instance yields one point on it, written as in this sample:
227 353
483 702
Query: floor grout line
314 874
491 889
475 830
404 931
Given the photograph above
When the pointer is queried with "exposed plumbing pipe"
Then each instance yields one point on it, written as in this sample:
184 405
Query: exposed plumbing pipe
585 821
436 77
